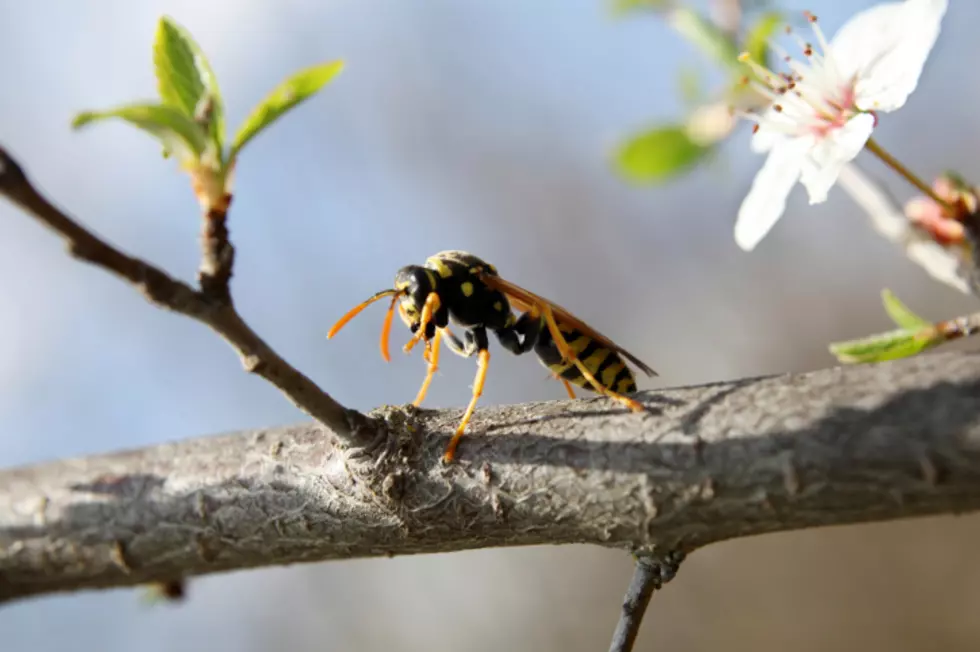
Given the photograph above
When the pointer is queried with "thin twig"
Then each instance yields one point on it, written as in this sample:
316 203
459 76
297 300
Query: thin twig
218 254
844 445
649 575
892 162
167 292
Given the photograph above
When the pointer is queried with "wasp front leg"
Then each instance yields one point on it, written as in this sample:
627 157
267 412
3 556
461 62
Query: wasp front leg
432 334
432 357
425 329
478 342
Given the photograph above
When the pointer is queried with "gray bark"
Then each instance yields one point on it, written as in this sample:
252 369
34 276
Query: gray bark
706 463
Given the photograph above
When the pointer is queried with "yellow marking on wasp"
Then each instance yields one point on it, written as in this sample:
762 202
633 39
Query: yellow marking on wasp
624 385
498 306
594 360
467 288
609 373
579 344
431 277
566 351
440 266
560 368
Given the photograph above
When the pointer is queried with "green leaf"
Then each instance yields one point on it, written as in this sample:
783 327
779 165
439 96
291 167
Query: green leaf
284 97
704 34
621 7
185 79
690 85
901 314
178 132
757 38
657 155
892 345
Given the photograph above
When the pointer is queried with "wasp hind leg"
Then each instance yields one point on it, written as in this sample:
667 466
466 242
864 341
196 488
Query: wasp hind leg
480 345
568 354
568 386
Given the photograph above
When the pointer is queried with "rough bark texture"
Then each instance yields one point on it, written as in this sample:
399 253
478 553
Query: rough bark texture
707 463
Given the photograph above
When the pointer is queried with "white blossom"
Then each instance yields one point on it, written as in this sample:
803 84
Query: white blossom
825 107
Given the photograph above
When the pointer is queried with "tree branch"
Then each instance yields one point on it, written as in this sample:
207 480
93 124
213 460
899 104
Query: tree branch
211 305
708 463
649 575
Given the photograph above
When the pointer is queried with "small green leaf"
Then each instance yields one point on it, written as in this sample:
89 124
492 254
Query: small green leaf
704 34
690 85
901 314
621 7
757 38
657 155
900 343
284 97
178 132
185 79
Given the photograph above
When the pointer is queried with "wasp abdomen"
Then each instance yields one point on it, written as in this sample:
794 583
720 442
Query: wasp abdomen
606 365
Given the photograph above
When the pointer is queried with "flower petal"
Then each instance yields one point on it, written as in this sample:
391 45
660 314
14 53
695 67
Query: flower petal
768 133
885 48
766 200
833 152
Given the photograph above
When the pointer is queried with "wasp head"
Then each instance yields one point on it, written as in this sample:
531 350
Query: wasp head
414 283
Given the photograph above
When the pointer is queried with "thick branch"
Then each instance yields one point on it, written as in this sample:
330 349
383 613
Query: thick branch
842 445
211 306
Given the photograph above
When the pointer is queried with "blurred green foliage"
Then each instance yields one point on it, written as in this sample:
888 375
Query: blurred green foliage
189 118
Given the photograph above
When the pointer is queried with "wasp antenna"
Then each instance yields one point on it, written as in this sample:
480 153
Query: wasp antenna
357 309
386 327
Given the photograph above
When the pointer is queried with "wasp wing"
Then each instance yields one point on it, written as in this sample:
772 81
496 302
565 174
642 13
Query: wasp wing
524 300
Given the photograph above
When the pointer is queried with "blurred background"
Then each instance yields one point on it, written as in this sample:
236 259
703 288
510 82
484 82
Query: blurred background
456 124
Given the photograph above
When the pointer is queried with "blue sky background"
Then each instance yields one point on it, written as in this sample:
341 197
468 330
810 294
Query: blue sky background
456 124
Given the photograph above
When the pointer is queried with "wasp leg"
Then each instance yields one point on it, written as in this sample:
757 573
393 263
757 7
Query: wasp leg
481 345
568 386
527 326
457 346
568 354
432 357
432 305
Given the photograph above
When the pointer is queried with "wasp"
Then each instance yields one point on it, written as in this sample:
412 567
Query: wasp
458 286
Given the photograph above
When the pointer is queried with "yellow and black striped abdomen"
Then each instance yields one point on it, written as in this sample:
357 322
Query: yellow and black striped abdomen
606 365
